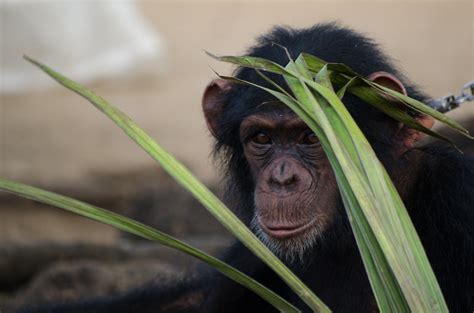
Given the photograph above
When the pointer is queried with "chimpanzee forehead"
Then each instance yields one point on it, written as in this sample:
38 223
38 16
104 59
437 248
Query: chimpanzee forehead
274 115
273 108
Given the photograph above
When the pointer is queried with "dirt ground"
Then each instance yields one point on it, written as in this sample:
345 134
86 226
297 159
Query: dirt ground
54 139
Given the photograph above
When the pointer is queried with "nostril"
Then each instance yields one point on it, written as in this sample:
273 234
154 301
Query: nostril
290 180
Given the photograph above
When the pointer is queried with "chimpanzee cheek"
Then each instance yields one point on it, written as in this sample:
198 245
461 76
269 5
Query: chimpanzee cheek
256 167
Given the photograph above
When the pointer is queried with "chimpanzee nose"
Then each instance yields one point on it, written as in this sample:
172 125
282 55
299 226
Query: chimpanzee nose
283 175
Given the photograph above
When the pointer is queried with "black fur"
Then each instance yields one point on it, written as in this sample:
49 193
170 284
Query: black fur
440 200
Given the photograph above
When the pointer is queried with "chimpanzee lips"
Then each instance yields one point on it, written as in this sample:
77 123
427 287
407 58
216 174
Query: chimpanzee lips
285 231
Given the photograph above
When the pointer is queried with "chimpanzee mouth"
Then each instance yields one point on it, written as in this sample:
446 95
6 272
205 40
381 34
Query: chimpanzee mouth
286 231
290 242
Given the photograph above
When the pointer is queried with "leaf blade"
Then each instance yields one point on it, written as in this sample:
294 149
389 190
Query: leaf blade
184 177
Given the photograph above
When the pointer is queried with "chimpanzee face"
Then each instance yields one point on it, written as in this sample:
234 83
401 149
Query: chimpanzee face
295 191
295 188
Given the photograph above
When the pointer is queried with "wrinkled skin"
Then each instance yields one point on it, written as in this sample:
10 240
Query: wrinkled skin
294 184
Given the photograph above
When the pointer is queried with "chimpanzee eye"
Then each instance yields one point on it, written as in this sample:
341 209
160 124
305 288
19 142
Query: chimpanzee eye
262 138
310 139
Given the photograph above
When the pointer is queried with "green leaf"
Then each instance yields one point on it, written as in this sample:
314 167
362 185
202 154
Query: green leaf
391 109
392 228
298 66
141 230
351 83
386 289
361 88
398 269
344 75
388 293
252 62
322 77
422 108
183 176
315 64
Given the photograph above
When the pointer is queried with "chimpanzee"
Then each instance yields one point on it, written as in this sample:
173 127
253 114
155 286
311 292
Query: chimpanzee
281 184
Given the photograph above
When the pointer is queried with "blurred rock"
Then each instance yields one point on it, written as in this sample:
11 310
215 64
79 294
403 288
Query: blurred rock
52 272
48 254
84 279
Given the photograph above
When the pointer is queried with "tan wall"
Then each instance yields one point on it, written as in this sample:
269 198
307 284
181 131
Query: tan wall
54 137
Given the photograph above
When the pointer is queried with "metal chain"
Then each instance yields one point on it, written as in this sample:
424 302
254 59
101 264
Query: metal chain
451 102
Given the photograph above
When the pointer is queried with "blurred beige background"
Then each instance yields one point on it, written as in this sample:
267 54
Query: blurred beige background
52 138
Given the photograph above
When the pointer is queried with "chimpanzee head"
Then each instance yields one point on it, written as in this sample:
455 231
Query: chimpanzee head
279 178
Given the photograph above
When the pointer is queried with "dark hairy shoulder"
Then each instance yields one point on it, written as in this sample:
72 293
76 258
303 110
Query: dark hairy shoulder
442 209
448 174
443 195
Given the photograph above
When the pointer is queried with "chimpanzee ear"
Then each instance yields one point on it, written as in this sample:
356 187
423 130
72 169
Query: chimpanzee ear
213 104
410 136
388 80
